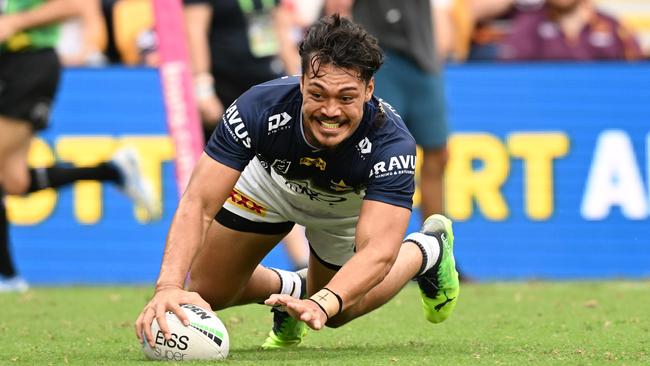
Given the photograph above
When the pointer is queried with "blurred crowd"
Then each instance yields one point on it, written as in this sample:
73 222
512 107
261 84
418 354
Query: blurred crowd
122 31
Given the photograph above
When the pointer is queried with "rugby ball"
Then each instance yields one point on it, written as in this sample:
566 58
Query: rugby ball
206 338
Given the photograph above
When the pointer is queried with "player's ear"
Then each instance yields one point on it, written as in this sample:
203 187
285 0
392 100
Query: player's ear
370 88
302 84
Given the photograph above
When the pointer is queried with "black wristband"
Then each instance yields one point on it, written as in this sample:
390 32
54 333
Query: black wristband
337 298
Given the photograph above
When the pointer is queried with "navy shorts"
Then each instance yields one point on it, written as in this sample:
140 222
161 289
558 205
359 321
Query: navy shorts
28 83
417 96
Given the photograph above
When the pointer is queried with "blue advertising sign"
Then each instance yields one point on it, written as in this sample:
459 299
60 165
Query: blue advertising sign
548 175
549 170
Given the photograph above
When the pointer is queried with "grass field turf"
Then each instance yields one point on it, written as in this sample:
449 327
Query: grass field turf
588 323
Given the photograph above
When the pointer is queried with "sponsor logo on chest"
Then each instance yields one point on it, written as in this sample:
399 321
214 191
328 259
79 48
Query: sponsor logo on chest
278 122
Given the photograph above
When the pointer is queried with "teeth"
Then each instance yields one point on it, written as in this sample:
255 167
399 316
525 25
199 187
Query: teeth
330 125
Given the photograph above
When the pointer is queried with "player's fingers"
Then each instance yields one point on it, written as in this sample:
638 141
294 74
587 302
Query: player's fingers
162 322
317 324
297 306
147 319
314 323
306 316
180 314
138 327
276 300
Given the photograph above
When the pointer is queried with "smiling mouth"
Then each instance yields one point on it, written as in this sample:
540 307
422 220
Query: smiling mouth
330 125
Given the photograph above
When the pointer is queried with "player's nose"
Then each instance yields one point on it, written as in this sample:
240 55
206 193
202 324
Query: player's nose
330 109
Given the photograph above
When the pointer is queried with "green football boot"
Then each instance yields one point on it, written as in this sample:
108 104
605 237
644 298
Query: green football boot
439 286
287 331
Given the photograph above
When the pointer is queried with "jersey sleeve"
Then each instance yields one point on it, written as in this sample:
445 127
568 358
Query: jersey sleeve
232 142
392 174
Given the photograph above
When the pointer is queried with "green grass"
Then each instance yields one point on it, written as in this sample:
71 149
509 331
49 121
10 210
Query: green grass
603 323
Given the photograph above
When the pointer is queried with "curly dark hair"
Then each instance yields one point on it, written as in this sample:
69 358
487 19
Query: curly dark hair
338 41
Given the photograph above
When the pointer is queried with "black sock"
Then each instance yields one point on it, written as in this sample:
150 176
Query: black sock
61 175
6 265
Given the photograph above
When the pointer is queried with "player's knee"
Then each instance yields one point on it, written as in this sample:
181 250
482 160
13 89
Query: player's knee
216 299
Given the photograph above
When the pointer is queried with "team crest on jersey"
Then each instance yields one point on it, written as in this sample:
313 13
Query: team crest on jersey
316 162
281 166
402 164
340 186
278 122
247 203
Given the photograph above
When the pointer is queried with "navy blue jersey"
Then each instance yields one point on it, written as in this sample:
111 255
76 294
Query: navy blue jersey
376 162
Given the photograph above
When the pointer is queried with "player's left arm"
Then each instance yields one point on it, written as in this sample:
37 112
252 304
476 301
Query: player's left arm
52 11
380 231
379 234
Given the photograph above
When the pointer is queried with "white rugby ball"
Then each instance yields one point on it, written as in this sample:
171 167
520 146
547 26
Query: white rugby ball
206 338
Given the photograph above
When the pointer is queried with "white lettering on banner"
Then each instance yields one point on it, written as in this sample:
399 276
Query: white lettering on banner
233 119
614 179
172 73
403 164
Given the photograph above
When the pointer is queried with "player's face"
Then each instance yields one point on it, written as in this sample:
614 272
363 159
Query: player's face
332 104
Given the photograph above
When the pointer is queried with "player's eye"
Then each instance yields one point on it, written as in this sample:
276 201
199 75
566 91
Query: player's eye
316 95
346 99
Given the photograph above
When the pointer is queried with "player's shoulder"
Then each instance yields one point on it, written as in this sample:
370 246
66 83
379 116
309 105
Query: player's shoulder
263 96
389 126
264 109
394 148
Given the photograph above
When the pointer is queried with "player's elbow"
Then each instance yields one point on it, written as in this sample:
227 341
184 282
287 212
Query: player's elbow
384 267
382 262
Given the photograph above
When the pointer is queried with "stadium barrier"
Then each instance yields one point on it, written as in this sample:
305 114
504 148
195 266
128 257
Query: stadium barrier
548 176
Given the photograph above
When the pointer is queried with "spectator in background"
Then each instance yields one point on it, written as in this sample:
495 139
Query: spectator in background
83 38
461 28
130 36
235 44
342 7
29 75
568 30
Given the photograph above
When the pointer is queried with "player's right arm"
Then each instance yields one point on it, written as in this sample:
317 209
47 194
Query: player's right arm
229 150
209 187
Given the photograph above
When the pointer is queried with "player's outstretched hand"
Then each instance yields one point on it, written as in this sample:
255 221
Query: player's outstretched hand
305 310
168 298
